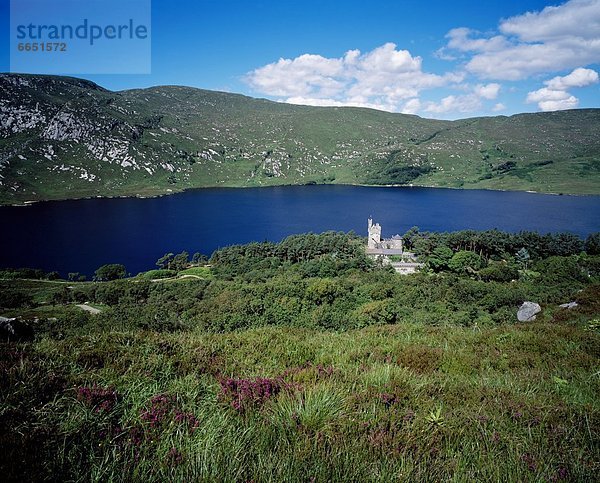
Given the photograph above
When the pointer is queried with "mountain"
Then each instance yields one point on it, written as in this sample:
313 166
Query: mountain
63 137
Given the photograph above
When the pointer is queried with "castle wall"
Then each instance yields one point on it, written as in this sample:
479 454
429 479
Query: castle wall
374 240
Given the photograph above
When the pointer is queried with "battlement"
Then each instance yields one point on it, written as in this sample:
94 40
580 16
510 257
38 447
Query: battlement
375 242
382 249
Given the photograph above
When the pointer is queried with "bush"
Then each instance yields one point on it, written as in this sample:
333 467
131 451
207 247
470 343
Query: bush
465 262
499 272
112 271
556 270
323 290
377 312
421 359
13 299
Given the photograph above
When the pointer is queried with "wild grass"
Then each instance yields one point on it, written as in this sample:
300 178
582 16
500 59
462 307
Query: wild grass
202 272
512 403
277 374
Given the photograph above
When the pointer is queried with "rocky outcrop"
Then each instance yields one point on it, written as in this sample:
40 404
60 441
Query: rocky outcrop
527 311
569 305
12 329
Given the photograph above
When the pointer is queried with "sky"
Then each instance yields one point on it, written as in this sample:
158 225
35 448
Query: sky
437 59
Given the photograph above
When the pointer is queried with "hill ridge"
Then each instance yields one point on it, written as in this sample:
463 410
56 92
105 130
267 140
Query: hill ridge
65 137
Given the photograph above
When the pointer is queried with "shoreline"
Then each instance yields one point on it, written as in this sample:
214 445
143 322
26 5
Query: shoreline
174 192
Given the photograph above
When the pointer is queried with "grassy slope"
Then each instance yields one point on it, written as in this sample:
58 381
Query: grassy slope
410 401
181 137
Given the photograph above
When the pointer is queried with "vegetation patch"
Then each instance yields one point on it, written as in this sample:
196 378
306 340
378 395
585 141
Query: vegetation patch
305 359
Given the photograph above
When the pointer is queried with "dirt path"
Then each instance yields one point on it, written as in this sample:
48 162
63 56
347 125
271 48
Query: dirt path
89 308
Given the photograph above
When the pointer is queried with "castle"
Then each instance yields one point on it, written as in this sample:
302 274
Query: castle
383 249
387 246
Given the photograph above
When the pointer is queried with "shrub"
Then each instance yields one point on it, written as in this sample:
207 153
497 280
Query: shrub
465 262
112 271
245 394
556 270
13 299
377 312
499 272
323 290
421 359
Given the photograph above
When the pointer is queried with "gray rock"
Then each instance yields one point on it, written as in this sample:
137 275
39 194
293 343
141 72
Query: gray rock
14 330
527 311
570 305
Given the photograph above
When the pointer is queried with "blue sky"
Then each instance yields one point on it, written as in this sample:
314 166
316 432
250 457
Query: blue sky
443 59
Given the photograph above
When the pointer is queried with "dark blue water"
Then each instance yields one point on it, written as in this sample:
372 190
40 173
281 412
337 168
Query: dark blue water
81 235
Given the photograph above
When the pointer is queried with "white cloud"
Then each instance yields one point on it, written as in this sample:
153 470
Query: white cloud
460 39
579 18
470 102
322 102
499 107
412 106
545 94
570 102
489 91
463 104
554 39
384 78
580 77
297 77
555 95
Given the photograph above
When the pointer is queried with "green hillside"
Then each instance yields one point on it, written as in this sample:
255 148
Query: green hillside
65 138
307 361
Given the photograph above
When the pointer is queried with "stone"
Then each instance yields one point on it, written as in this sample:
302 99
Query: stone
527 311
12 329
569 305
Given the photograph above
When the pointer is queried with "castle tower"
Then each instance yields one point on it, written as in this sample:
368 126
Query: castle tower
374 240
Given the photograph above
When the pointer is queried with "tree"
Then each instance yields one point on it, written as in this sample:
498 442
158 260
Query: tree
180 261
465 261
592 244
198 258
112 271
410 236
76 277
165 260
440 258
423 245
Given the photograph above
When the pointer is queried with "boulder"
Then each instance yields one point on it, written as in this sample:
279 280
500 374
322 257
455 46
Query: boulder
569 305
14 330
527 311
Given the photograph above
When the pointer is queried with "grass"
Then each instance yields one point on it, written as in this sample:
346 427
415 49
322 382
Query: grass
517 402
156 274
275 374
202 272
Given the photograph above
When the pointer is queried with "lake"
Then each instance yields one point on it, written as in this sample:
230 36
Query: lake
81 235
